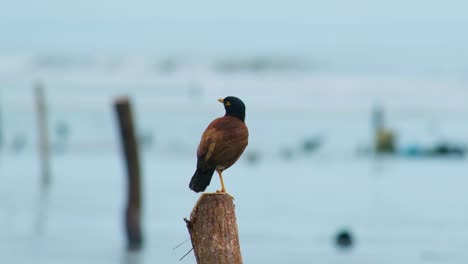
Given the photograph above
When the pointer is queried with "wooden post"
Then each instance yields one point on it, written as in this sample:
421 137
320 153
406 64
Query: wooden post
213 230
130 150
43 134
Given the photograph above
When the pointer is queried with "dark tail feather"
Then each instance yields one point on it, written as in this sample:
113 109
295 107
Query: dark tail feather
201 180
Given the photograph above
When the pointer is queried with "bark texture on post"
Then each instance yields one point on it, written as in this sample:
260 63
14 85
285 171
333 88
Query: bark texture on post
130 149
213 230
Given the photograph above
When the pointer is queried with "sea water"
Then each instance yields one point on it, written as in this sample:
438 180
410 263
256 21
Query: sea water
290 203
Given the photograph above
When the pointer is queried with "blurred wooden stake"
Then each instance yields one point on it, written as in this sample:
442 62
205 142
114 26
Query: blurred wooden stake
43 136
130 150
213 230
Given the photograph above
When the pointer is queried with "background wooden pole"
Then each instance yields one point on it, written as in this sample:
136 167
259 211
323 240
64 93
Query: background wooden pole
43 134
213 230
130 150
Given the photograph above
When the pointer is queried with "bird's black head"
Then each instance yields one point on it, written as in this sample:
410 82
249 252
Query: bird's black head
234 107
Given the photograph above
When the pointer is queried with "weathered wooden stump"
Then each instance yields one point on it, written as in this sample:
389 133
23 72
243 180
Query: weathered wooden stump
213 230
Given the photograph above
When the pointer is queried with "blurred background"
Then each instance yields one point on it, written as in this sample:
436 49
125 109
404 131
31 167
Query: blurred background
356 110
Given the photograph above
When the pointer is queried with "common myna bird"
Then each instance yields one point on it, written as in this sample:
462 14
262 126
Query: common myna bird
221 145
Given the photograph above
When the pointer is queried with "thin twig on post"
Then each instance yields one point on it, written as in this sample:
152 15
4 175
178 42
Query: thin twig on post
213 230
130 150
43 134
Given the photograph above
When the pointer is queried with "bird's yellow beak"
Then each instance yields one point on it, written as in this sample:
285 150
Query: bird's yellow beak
227 103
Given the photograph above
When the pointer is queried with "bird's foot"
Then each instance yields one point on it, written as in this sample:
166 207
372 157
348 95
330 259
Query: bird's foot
224 192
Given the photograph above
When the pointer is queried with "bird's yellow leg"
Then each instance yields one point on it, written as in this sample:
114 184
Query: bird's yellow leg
223 190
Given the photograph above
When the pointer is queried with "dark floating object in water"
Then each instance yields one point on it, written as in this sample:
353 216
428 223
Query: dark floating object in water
344 239
442 149
311 144
253 157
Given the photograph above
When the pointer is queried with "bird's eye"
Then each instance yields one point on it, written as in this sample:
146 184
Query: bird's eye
227 103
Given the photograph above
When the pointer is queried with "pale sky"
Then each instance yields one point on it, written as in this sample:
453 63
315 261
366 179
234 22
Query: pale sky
241 10
354 29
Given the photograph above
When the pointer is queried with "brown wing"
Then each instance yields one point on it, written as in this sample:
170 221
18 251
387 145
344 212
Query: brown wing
222 143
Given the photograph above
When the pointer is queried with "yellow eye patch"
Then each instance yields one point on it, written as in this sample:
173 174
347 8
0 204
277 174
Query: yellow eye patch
227 103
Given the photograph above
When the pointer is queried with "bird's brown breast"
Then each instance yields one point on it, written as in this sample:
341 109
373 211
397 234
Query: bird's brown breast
222 143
